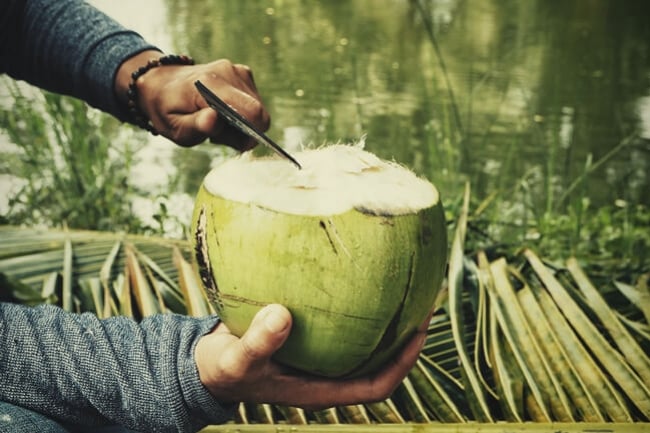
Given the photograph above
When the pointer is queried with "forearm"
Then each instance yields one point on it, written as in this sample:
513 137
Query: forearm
68 46
81 370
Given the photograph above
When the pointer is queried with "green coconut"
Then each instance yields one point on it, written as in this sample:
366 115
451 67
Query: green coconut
354 246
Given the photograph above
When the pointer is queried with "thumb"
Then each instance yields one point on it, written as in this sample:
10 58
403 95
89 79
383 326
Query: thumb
268 331
191 129
205 121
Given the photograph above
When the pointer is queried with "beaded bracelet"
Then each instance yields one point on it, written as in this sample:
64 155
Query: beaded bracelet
138 116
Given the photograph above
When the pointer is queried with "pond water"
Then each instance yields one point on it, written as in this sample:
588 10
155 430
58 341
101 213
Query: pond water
509 95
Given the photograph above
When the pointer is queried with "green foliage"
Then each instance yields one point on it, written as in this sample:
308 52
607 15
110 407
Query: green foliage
614 240
74 170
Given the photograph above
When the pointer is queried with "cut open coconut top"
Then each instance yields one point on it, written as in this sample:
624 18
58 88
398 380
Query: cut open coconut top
333 180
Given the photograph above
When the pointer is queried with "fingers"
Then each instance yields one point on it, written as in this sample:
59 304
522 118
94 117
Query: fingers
373 388
266 334
245 358
315 393
383 383
235 85
169 98
192 129
245 71
241 369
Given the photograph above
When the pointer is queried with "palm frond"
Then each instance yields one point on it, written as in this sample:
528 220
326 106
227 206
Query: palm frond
101 272
516 340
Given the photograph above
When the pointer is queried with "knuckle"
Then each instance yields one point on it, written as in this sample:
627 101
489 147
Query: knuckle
223 64
258 114
244 71
216 70
254 346
250 352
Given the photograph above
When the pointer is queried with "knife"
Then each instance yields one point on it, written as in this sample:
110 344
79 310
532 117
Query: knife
239 122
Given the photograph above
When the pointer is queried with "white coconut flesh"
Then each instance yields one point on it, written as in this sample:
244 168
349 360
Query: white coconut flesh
333 180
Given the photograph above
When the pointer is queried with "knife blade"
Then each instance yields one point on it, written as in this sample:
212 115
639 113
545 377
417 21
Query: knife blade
240 122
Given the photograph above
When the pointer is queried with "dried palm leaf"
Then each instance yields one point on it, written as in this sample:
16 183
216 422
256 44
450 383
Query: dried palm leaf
141 289
507 374
385 412
474 390
105 273
440 347
355 414
124 294
259 413
472 359
633 353
433 395
50 283
639 329
482 361
640 298
585 405
62 267
293 415
195 300
66 301
410 400
597 383
608 356
241 416
327 416
89 296
545 388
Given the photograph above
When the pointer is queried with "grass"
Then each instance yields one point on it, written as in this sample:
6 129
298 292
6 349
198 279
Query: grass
72 163
613 240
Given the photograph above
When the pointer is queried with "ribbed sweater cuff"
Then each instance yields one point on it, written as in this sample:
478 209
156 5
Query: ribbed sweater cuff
99 80
202 407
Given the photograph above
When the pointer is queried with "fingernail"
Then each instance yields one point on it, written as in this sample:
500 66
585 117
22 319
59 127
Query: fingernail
275 321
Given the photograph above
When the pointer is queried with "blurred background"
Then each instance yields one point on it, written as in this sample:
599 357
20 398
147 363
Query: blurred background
542 106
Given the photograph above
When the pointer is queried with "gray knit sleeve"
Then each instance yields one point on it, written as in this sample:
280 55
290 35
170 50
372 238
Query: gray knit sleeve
68 47
81 370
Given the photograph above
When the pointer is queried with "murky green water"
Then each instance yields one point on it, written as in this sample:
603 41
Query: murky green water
506 94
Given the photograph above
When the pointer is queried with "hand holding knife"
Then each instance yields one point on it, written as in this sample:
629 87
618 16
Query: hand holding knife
239 122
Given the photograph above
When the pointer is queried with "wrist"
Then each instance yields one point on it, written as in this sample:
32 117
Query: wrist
130 77
126 69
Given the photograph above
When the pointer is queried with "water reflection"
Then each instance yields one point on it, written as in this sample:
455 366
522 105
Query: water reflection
497 92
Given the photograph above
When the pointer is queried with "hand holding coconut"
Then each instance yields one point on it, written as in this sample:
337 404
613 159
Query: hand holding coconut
241 369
